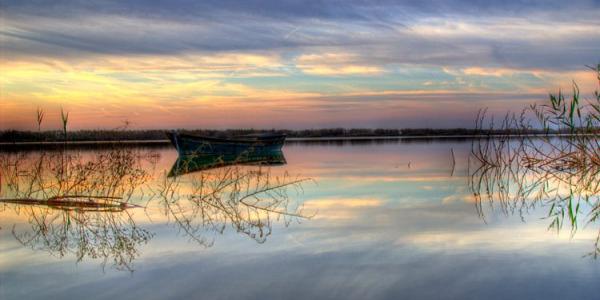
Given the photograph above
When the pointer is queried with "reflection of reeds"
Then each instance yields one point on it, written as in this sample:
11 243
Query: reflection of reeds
519 172
96 235
75 204
248 199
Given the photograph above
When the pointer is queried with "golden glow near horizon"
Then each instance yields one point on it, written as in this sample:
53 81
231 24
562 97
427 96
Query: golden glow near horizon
162 70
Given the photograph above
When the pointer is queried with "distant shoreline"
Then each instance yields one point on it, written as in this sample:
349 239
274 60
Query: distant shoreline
323 134
290 139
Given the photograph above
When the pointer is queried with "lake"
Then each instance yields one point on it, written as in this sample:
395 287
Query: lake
384 219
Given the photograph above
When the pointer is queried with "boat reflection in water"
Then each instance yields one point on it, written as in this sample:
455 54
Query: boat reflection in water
199 162
69 204
224 191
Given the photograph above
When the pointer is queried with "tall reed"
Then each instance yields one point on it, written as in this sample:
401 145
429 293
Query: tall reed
64 116
39 118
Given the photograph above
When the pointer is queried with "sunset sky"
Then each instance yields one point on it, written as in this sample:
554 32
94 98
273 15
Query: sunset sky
288 64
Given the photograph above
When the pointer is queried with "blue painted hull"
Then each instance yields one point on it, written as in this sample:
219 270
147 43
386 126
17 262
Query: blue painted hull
197 145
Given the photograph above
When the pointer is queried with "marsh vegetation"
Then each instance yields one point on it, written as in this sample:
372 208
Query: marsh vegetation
561 174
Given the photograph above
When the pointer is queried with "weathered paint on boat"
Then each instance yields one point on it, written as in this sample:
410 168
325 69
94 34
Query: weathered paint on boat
249 145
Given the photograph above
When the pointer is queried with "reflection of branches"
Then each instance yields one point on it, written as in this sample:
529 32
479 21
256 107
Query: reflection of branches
97 235
76 204
248 199
560 173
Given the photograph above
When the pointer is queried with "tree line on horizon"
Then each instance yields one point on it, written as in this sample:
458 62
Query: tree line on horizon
15 136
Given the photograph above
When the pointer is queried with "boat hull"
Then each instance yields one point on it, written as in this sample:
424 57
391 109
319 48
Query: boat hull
197 145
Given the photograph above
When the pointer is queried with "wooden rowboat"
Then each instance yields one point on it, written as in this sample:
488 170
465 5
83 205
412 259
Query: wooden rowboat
257 145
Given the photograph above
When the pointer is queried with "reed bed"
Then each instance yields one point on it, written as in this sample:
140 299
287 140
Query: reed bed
517 172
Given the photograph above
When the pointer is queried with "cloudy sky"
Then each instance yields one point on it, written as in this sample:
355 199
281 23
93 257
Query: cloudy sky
288 64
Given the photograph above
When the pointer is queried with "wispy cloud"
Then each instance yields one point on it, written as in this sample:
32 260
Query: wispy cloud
312 56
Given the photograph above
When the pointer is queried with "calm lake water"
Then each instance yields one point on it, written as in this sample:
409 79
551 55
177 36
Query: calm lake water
339 220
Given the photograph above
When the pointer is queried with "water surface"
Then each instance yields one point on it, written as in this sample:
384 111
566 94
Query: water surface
339 220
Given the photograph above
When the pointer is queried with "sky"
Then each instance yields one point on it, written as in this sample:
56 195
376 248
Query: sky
288 64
